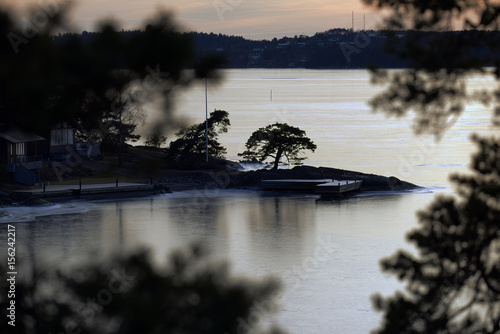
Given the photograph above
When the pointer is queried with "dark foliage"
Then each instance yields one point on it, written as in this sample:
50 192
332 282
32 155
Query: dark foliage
70 77
130 294
453 283
191 144
278 140
156 140
335 48
439 60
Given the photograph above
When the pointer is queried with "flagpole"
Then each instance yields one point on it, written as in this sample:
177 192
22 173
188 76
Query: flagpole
206 118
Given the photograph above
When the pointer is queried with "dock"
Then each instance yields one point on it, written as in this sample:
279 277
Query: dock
293 184
323 187
91 191
338 188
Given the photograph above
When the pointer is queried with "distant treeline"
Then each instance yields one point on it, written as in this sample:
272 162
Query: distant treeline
336 48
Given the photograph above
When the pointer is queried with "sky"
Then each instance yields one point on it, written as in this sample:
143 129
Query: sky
253 19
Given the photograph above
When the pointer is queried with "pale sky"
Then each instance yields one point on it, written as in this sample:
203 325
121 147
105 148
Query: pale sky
255 19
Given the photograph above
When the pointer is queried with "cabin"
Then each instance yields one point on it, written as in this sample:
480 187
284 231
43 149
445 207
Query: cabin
62 141
22 152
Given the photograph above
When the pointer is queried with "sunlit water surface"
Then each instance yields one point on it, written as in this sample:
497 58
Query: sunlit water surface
325 252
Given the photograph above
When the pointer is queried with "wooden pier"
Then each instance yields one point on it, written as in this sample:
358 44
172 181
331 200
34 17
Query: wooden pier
293 184
92 191
338 188
323 187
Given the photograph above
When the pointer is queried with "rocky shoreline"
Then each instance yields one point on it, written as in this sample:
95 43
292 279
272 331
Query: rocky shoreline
251 179
229 178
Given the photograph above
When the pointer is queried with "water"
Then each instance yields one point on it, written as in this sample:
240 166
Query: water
325 252
331 106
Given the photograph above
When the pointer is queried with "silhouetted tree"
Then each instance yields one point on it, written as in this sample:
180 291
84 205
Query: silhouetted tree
124 115
278 140
130 294
156 140
191 144
453 283
434 85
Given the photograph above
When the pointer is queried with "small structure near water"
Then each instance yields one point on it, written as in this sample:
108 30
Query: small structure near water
324 187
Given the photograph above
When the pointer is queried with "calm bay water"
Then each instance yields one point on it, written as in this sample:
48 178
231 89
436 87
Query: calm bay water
264 234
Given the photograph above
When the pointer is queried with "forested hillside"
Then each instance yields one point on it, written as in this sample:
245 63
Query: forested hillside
336 48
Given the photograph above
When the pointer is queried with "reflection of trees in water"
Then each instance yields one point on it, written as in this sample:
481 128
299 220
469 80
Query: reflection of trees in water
199 214
119 213
282 221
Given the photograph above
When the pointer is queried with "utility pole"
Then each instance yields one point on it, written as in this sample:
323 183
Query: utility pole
353 21
206 117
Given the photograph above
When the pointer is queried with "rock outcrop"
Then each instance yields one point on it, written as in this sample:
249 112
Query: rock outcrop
371 182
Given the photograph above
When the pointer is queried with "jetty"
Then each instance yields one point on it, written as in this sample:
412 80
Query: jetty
338 188
323 187
91 191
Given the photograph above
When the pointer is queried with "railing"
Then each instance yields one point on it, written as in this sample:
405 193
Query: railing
29 162
20 159
32 164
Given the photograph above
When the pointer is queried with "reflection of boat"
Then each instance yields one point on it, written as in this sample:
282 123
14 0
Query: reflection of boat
324 187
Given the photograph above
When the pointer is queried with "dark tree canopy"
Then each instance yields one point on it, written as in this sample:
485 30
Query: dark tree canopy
46 80
453 283
278 140
130 294
124 115
435 83
156 139
191 144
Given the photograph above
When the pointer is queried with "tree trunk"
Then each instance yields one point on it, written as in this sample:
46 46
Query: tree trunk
278 157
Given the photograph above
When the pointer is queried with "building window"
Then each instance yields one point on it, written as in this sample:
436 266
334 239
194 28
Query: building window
61 137
12 154
21 149
17 153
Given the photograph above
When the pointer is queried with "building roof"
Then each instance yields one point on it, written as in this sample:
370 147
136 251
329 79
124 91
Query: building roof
15 135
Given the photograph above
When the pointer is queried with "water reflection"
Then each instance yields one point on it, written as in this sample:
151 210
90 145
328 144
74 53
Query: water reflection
260 234
281 222
60 239
119 214
201 215
230 222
